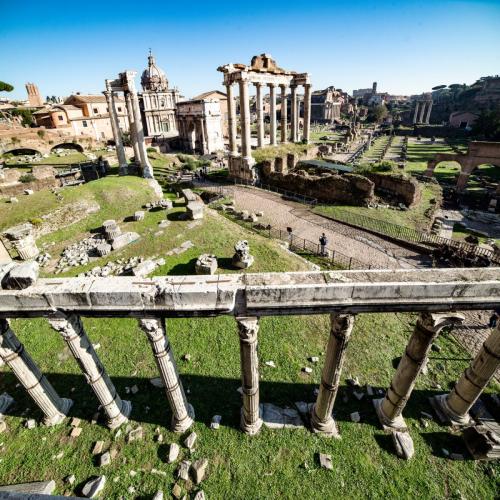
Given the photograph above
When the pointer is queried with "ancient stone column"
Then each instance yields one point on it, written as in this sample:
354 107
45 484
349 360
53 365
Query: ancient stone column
248 328
321 414
132 128
422 111
294 118
272 112
246 146
260 115
455 406
284 125
71 329
182 411
462 180
415 113
390 408
29 375
231 119
428 115
307 112
117 136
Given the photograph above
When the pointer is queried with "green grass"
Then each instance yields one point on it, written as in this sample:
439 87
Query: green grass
271 152
274 463
53 159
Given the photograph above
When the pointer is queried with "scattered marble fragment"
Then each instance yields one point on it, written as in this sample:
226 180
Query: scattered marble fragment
135 435
173 452
98 447
30 424
105 459
307 369
355 417
270 363
93 487
403 444
190 440
199 469
314 359
215 423
70 479
75 432
75 422
183 470
325 461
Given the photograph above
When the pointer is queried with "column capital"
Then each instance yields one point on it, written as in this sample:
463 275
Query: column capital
272 85
283 86
434 322
248 328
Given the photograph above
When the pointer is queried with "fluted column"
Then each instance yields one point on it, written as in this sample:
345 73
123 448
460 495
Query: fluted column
307 112
132 128
29 375
272 112
415 114
182 411
248 328
117 136
456 405
71 329
260 115
284 125
231 120
422 111
246 145
147 169
321 414
389 409
293 107
428 115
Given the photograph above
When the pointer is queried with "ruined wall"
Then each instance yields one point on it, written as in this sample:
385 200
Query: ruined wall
45 178
403 189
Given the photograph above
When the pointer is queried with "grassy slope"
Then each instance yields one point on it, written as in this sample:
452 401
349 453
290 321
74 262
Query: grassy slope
275 463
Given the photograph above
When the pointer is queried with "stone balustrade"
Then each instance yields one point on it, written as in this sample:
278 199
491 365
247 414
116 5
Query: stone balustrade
434 293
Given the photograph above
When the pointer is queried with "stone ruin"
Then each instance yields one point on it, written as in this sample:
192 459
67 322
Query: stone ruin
22 238
206 264
194 204
242 258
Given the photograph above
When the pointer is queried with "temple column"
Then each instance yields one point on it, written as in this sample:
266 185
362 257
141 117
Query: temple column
321 414
260 115
182 411
415 114
428 115
422 112
307 112
272 112
248 328
246 145
133 135
231 120
454 407
284 125
29 375
71 329
390 408
115 127
294 118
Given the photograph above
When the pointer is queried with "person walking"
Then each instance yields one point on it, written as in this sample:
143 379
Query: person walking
323 241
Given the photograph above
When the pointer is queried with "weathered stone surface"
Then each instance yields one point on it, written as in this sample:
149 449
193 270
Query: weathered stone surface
183 470
157 382
75 422
173 452
75 432
144 268
105 459
215 423
123 240
21 276
206 264
36 487
325 461
199 470
190 441
3 426
70 479
403 444
30 424
200 495
135 435
98 447
139 215
93 487
158 495
242 258
272 416
355 417
176 491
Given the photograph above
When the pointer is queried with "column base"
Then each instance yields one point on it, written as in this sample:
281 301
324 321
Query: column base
5 402
446 415
147 172
326 429
59 417
250 429
396 424
180 426
123 170
115 422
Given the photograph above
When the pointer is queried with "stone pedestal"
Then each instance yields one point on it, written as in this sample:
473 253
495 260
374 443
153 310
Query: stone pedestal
206 264
242 258
322 421
71 329
248 328
29 375
182 412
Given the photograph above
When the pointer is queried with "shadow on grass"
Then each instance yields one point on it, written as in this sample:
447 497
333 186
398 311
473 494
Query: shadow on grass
177 216
183 268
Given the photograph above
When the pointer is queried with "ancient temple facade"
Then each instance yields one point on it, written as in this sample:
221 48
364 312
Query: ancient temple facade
158 102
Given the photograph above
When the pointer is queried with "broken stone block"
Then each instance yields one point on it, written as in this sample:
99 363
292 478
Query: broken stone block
270 363
75 432
173 452
33 488
134 389
200 495
272 416
206 264
28 192
355 417
13 199
144 268
105 459
93 487
215 423
157 382
325 461
70 479
158 495
30 424
3 426
242 258
135 435
98 447
75 422
403 444
176 491
123 240
21 276
190 441
183 470
314 359
292 419
103 249
306 369
139 215
199 469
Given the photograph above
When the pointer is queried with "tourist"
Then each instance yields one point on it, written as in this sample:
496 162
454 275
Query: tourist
323 241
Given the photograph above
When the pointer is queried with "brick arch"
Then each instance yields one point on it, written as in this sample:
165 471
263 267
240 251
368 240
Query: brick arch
23 151
69 145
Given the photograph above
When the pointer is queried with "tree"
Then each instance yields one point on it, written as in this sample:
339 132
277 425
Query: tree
377 114
487 125
439 87
6 87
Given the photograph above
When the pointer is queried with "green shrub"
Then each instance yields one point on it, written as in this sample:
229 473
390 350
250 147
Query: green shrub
151 150
27 178
36 221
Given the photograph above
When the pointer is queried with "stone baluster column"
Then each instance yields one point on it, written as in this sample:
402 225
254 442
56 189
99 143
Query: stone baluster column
182 411
71 329
117 136
248 328
260 115
415 114
246 145
307 112
321 414
294 118
231 120
284 124
29 375
454 407
422 112
389 409
272 112
132 129
428 115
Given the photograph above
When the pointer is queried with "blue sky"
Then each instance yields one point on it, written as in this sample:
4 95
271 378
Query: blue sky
408 47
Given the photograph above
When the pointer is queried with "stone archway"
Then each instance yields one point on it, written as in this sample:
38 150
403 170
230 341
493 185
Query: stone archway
23 151
68 145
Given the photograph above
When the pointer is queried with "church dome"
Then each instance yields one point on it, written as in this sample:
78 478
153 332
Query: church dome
153 78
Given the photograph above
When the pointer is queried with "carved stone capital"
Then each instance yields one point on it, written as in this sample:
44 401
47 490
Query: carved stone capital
434 322
248 328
